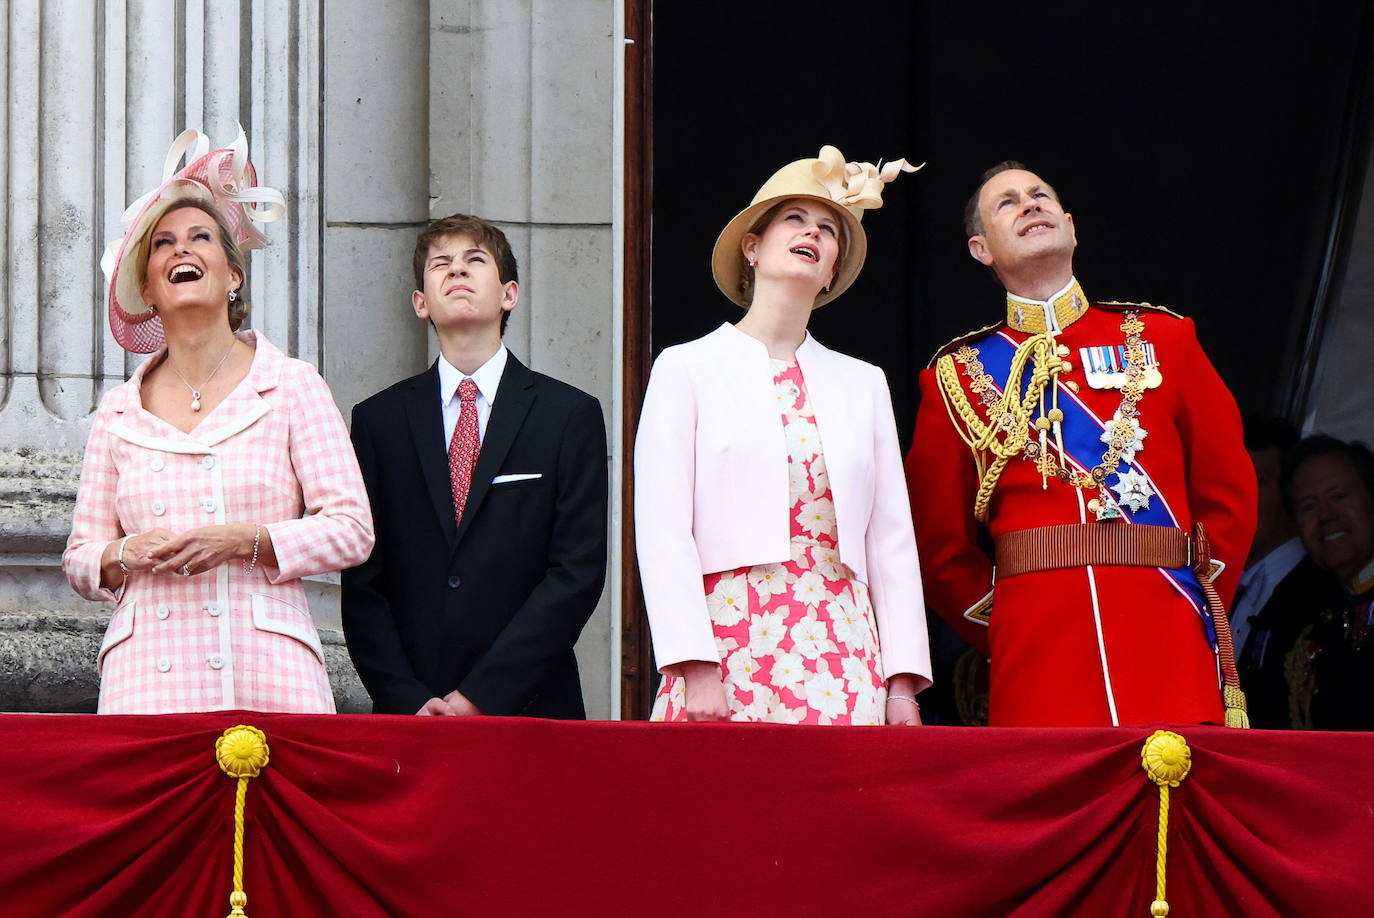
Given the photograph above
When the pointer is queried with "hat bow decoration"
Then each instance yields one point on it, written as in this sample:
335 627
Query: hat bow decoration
242 193
230 179
856 185
224 181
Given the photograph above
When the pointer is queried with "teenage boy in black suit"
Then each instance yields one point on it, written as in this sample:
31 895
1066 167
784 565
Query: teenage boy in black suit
488 489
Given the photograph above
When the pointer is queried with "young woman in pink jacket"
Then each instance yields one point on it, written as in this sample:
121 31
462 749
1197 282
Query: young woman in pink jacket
200 470
775 544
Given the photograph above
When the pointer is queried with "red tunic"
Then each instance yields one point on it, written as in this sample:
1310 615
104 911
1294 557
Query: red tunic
1101 644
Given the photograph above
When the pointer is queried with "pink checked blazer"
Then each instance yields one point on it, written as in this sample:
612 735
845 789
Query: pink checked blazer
273 450
711 488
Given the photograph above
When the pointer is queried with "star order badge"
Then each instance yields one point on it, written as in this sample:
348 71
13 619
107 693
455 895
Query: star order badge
1134 489
1128 432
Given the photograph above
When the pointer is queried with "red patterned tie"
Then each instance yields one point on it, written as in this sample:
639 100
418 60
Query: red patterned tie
464 447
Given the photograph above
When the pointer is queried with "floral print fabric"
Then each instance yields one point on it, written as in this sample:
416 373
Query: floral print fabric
797 639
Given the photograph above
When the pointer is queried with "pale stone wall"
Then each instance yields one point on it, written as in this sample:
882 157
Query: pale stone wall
372 115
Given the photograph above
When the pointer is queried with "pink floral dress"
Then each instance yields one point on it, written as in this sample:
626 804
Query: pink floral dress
797 639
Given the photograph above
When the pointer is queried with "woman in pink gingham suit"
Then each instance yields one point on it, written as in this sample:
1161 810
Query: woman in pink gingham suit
214 479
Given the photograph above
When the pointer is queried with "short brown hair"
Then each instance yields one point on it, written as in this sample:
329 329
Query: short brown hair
485 234
238 307
973 219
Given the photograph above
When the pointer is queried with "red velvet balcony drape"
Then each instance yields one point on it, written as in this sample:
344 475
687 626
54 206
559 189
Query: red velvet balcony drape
387 816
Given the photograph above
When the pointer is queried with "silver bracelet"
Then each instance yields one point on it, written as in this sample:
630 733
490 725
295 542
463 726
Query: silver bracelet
120 559
905 698
257 539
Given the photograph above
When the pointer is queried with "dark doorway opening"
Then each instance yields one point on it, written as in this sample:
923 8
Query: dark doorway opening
1203 155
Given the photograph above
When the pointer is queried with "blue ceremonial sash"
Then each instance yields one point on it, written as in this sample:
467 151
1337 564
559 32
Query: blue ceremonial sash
1083 447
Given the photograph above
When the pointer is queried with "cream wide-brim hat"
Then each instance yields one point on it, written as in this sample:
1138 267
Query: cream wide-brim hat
222 180
846 188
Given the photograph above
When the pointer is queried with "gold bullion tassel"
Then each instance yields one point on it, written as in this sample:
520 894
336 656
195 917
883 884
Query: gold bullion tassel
1237 714
1166 759
1005 433
242 754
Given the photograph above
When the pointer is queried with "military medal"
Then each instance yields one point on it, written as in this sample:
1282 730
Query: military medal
1134 489
1103 508
1130 434
1107 367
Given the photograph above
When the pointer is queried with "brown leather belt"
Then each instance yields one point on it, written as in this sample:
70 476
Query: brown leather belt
1047 548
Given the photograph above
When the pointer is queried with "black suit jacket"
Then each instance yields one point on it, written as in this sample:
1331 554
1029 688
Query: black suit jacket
1274 630
492 607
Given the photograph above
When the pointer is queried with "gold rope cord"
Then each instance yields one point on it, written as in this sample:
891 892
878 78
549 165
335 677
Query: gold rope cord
1006 436
242 753
1006 433
1167 760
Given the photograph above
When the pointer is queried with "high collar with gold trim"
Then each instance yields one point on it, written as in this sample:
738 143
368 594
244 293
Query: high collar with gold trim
1055 314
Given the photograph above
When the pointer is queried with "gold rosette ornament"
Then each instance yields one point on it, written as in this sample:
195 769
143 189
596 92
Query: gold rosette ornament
242 754
1167 760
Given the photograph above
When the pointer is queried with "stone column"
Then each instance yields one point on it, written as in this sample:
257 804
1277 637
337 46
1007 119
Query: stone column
520 101
376 168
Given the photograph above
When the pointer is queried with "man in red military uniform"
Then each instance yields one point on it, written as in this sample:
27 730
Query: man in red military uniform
1090 439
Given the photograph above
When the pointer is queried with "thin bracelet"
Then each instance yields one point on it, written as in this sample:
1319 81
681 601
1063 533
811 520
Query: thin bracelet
120 558
257 538
905 698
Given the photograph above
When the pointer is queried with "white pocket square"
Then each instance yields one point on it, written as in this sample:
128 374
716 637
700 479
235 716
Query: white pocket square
506 479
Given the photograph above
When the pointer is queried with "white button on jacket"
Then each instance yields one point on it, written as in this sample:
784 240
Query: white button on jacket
281 459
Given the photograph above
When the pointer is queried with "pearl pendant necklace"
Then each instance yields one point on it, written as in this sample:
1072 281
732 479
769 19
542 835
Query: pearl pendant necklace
195 391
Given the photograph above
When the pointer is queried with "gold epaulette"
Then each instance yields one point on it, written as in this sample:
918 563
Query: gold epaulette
1119 304
951 345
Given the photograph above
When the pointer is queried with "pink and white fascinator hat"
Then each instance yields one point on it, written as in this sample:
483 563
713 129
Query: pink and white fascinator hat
848 188
224 180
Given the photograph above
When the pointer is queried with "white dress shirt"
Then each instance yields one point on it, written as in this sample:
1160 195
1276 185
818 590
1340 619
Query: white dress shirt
1257 585
487 377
